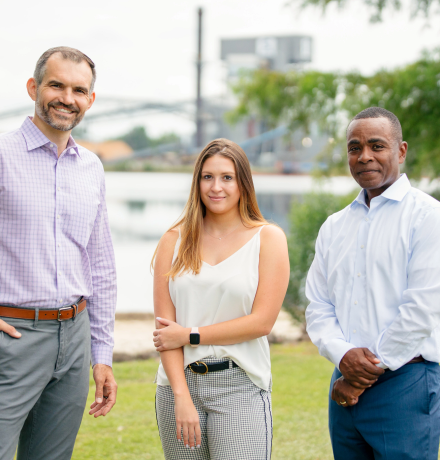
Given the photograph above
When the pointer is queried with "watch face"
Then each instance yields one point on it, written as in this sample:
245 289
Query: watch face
194 339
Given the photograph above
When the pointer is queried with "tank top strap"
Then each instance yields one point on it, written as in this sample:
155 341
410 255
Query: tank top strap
258 242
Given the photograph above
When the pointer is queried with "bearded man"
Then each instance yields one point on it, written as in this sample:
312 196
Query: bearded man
374 291
57 269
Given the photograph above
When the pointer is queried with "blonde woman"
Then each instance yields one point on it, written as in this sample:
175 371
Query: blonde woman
220 277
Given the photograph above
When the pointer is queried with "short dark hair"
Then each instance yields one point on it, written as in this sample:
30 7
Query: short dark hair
66 52
379 112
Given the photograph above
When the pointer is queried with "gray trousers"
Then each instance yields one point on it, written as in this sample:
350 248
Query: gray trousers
235 417
44 383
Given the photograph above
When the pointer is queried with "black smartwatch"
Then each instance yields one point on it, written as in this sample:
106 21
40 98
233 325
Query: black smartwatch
194 337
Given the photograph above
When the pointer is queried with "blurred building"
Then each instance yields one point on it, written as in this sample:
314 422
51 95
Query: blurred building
274 53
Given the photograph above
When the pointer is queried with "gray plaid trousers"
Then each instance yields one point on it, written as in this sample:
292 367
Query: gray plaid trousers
235 417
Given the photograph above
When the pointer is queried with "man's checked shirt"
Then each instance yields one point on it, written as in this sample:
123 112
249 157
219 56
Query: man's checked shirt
55 242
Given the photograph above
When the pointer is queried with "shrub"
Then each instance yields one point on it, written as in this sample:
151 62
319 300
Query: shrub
436 194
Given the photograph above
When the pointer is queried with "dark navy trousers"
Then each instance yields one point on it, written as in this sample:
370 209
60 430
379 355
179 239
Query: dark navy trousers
398 418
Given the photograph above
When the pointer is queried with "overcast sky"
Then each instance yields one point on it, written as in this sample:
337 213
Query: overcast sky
146 49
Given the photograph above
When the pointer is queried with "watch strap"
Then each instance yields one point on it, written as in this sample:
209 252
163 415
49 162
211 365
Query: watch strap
195 330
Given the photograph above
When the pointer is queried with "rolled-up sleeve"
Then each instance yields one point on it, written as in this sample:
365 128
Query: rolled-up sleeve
322 323
419 312
102 302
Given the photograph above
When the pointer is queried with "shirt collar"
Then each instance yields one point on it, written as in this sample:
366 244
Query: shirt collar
396 191
35 138
360 199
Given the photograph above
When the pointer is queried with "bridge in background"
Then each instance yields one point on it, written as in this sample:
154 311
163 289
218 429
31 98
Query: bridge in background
106 108
112 107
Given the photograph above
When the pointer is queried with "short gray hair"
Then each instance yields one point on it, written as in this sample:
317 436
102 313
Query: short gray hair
66 52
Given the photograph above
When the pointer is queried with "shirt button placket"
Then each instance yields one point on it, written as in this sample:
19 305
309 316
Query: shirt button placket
58 226
359 294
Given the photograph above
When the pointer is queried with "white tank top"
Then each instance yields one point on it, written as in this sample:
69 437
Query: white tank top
220 293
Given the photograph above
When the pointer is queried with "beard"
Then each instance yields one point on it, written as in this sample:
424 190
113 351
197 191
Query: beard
59 122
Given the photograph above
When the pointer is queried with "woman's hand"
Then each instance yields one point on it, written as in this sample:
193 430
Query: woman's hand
187 421
170 337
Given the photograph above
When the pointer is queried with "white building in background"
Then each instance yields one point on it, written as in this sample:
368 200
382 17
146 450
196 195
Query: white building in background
275 53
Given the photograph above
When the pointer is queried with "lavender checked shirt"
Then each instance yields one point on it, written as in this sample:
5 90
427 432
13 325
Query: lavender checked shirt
55 242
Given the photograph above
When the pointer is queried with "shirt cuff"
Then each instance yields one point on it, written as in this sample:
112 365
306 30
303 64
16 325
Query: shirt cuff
336 349
382 365
375 350
102 354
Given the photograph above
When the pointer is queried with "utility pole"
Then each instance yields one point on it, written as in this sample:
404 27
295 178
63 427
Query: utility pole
199 105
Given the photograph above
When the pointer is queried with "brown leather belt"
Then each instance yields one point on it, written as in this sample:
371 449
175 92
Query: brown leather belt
62 314
417 359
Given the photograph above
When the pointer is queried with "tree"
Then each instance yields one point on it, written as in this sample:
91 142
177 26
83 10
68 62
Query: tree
297 99
138 139
417 7
167 138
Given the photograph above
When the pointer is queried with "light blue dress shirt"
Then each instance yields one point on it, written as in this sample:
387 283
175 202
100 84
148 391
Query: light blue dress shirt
375 278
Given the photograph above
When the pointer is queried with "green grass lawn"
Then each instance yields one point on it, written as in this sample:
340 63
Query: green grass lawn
300 387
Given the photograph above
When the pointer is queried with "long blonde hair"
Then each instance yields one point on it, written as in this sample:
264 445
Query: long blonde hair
191 223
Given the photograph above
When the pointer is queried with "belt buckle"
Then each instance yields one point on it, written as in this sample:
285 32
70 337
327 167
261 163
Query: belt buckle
200 373
74 307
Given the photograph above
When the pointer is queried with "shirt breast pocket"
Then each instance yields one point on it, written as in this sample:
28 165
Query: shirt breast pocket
81 215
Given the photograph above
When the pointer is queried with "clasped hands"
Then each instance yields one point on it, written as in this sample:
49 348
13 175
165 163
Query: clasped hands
170 337
359 372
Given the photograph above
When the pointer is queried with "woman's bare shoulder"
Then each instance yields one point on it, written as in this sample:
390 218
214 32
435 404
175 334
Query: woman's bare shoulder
271 233
274 252
169 240
171 236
